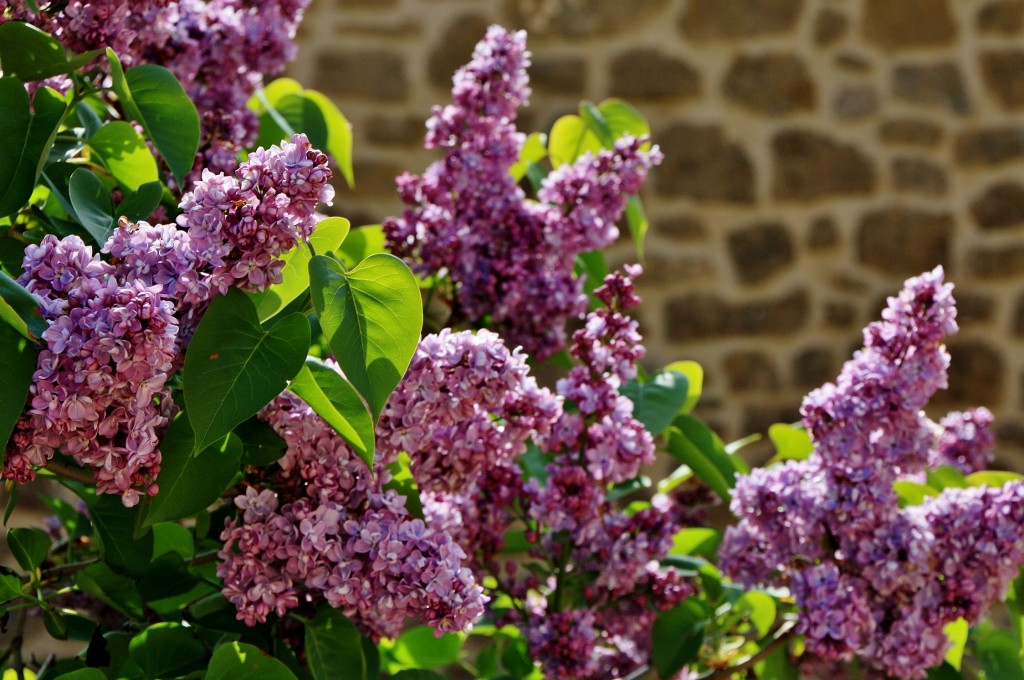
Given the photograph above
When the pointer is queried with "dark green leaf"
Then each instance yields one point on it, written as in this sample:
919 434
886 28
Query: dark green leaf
141 203
372 316
28 546
710 446
171 537
303 115
361 243
28 53
17 364
677 636
636 218
19 309
116 527
88 118
261 445
337 402
945 477
234 367
92 204
419 648
27 139
685 451
213 612
83 674
622 118
56 624
125 154
167 650
597 123
999 653
11 588
417 674
778 666
116 590
658 401
404 483
57 177
333 647
153 96
190 483
943 672
594 267
239 661
339 134
328 237
168 576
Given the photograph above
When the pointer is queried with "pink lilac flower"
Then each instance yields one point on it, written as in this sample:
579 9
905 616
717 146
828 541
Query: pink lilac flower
873 580
510 258
323 527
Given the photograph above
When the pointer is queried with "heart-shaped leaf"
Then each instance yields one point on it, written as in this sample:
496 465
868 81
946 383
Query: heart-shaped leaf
189 483
234 367
239 661
657 401
333 647
371 316
153 96
141 203
28 546
28 53
115 524
28 135
91 201
337 402
125 154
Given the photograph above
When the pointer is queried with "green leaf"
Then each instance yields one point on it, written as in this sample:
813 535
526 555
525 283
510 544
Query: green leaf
171 537
569 139
956 631
17 364
234 367
190 483
371 316
141 203
594 267
27 137
120 592
328 237
636 218
339 134
83 674
533 151
115 525
153 96
28 53
404 483
657 401
239 661
361 243
943 672
333 647
623 118
19 309
692 443
597 123
167 650
677 636
791 442
777 666
983 478
419 648
695 376
335 400
912 493
11 588
945 477
91 201
125 154
28 546
696 541
417 674
759 609
1000 655
56 623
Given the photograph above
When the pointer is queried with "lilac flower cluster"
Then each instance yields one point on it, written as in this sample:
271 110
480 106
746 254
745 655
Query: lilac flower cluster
322 526
509 257
117 330
873 580
462 385
99 392
219 50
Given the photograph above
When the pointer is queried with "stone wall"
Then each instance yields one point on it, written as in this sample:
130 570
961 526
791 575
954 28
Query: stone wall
817 153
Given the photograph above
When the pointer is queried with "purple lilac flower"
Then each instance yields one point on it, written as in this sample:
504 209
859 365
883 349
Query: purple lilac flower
510 258
873 580
98 392
323 526
219 49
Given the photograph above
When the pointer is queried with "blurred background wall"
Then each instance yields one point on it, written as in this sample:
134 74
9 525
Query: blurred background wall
817 152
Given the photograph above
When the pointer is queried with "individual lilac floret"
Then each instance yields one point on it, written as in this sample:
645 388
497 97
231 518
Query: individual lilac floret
98 393
873 580
322 526
510 258
465 404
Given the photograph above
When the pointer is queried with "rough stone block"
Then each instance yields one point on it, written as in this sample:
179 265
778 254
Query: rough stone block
918 175
371 73
977 375
751 371
829 26
574 19
855 102
702 164
989 146
808 166
1003 73
771 84
454 49
396 130
910 132
701 316
651 74
996 263
1001 206
681 228
904 241
759 251
824 234
566 76
938 85
1005 17
908 24
730 19
813 367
